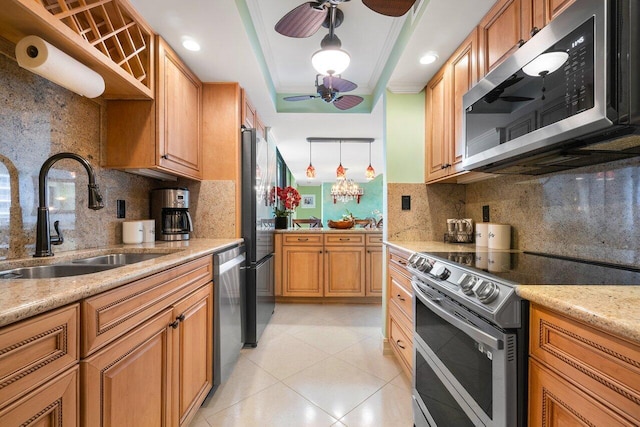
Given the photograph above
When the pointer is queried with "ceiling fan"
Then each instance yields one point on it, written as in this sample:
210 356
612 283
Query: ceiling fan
329 92
306 19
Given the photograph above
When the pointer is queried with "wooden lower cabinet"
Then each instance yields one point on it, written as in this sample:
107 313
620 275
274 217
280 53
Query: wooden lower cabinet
55 404
579 375
128 382
400 308
193 345
344 268
555 402
302 271
374 271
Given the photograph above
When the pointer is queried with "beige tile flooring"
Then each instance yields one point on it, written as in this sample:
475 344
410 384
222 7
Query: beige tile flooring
315 365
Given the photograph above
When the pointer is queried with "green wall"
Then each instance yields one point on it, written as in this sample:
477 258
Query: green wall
404 120
306 213
371 201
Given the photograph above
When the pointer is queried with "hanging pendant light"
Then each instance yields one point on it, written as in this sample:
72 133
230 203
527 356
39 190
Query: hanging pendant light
370 173
340 171
311 171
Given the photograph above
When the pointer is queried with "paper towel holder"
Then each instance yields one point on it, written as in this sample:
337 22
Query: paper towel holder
42 58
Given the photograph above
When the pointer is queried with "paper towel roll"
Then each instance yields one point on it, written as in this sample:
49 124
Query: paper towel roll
44 59
482 229
132 232
149 230
499 236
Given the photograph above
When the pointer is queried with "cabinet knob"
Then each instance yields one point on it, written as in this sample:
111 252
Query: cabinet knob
446 165
400 297
521 43
400 345
534 31
319 252
164 156
345 239
300 239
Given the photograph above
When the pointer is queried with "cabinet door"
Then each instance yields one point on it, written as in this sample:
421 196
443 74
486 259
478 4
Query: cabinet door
437 127
463 70
501 31
128 382
555 402
248 113
53 404
344 271
179 109
193 360
544 11
374 271
302 271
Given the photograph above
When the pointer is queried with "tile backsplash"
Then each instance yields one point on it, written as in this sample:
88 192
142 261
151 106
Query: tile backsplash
39 119
591 213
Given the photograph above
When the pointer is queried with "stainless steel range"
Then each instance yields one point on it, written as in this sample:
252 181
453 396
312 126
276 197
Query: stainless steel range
471 330
470 346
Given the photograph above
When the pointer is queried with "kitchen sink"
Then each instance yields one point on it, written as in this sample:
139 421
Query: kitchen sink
78 267
53 271
119 258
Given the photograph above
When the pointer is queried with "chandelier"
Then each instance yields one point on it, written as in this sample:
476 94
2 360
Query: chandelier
345 190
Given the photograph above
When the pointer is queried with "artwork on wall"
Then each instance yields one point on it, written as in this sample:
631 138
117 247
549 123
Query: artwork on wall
308 201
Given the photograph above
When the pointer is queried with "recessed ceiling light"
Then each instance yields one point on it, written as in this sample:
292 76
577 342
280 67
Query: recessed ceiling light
428 58
190 44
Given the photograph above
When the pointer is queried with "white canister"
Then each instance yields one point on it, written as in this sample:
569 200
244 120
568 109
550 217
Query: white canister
132 232
149 230
499 236
482 229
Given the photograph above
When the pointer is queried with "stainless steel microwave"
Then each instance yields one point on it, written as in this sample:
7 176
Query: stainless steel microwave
569 97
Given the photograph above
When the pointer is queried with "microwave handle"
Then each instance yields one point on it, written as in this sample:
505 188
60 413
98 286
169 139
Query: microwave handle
189 222
465 327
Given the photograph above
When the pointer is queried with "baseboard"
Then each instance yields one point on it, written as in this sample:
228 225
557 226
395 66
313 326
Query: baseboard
330 300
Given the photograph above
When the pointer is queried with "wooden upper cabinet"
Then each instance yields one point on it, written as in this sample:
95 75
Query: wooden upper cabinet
260 128
501 32
162 136
179 109
444 132
544 11
248 112
437 122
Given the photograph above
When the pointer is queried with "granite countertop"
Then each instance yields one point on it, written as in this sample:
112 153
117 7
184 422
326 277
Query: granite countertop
23 298
614 308
330 230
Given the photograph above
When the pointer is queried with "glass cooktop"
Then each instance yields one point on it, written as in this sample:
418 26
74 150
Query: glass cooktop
530 268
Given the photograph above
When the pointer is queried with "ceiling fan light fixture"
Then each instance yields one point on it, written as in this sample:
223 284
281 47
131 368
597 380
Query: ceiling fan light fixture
545 64
328 61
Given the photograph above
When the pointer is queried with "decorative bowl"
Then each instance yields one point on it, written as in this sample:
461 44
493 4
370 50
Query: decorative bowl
342 224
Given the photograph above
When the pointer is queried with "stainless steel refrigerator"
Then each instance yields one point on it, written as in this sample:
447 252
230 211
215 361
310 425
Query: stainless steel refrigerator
258 178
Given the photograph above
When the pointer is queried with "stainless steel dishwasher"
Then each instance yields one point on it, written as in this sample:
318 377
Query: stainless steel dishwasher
228 291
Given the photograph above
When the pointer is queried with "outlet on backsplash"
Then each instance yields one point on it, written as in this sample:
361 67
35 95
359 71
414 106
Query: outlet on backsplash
485 213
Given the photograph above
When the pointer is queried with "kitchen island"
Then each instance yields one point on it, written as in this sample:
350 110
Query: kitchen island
331 264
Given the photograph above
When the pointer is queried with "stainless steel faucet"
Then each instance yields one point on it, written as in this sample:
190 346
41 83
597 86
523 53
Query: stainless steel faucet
44 239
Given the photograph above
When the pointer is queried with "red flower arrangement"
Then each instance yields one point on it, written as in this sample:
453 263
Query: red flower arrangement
288 200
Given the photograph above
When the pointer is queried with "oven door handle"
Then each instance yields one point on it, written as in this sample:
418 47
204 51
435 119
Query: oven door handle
466 327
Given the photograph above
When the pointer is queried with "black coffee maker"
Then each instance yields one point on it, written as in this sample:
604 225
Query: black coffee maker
170 210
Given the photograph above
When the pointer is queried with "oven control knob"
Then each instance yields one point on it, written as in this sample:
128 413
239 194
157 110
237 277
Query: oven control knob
487 292
440 272
413 259
424 265
468 283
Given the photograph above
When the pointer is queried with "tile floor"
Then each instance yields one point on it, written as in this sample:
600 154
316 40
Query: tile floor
316 365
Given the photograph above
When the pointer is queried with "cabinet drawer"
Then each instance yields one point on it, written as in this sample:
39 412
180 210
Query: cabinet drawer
302 239
373 239
401 277
344 239
400 260
400 296
604 365
55 403
110 314
402 344
36 349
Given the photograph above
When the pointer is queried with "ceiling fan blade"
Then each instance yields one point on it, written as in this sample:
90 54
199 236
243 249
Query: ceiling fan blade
299 97
389 7
347 101
516 98
338 84
303 21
